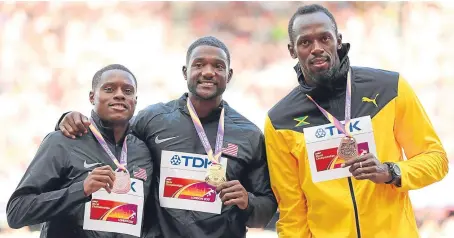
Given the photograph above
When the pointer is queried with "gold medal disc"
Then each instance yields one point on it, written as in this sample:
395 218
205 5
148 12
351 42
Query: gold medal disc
215 175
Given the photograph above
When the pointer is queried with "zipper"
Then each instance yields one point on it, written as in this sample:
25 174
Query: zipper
118 148
355 207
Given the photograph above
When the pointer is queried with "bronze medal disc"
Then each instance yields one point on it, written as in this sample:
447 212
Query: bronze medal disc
122 182
348 148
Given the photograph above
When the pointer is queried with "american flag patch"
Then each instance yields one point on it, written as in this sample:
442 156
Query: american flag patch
140 173
231 149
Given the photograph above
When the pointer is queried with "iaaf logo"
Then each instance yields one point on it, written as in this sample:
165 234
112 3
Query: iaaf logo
190 161
332 130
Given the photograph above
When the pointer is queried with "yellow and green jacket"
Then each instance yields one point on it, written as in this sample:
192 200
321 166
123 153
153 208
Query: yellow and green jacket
347 207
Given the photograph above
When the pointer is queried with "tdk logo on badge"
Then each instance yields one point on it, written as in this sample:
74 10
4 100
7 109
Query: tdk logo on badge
332 130
320 133
175 160
190 161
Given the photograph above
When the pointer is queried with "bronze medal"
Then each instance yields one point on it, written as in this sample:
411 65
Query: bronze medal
215 175
348 148
122 182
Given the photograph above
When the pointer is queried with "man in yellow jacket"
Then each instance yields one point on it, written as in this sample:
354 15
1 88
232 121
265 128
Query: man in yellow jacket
321 192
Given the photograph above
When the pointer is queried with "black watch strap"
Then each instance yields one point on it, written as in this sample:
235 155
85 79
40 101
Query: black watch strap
392 172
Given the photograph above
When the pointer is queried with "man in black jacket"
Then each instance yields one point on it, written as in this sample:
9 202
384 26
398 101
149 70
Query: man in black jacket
66 173
173 132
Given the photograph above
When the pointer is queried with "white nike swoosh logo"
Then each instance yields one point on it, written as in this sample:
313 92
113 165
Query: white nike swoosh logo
89 165
158 141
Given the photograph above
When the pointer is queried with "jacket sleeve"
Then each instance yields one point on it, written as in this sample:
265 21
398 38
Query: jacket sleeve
57 127
262 203
426 162
38 197
285 183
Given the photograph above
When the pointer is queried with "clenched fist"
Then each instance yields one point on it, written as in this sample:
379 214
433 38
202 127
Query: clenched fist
233 193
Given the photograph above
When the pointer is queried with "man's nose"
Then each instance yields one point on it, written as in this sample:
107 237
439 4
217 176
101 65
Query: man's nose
119 95
317 49
208 72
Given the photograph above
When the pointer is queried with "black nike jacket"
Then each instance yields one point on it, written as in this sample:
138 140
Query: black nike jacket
169 127
51 190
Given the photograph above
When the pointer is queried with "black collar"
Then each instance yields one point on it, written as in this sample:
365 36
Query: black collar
107 131
338 84
213 116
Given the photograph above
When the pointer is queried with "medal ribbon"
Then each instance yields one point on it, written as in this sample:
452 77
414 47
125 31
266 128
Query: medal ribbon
203 137
124 151
348 100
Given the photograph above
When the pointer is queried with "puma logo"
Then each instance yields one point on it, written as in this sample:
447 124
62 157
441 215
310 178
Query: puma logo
366 99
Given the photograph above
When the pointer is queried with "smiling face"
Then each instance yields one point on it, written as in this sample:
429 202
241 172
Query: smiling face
114 97
207 72
315 44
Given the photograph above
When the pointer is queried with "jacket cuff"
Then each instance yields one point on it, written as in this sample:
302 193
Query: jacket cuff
250 207
76 192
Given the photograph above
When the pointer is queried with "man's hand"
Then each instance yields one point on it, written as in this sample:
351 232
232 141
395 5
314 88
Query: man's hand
101 177
233 193
368 167
74 124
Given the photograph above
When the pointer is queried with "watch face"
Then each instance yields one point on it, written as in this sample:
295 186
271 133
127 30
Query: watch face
396 170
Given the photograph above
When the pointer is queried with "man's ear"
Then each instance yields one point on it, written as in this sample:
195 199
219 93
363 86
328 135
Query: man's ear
91 97
230 75
185 71
339 41
291 50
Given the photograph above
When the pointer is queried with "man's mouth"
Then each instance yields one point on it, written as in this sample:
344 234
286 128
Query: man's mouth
118 106
321 62
206 84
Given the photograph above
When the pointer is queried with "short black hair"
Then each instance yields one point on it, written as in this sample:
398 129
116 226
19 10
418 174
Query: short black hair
210 41
308 9
98 74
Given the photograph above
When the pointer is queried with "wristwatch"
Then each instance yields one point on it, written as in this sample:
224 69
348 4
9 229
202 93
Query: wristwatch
394 170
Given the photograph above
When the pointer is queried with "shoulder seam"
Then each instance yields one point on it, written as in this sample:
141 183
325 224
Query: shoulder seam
296 88
67 151
241 129
161 113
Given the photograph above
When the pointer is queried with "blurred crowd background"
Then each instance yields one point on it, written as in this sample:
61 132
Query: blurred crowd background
49 52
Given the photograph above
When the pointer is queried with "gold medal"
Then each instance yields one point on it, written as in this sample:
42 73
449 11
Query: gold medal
348 148
122 182
215 175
